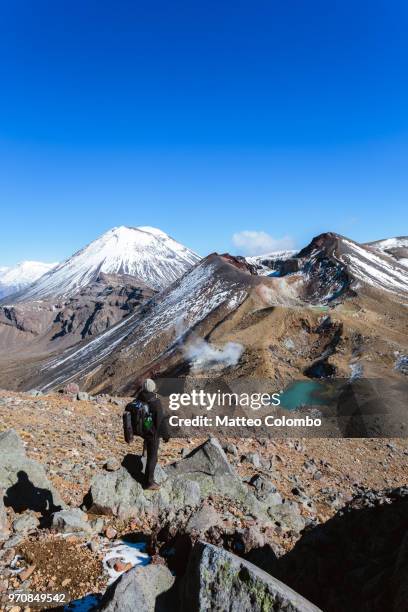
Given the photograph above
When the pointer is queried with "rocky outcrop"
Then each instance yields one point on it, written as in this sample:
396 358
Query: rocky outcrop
145 589
214 580
208 466
120 494
72 520
24 481
218 580
203 473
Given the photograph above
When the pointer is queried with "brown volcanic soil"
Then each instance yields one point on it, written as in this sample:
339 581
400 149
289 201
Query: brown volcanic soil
74 439
64 566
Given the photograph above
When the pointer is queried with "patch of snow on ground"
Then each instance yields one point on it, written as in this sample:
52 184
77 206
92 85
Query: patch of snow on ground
127 552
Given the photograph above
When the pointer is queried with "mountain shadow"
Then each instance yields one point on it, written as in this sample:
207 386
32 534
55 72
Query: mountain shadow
357 561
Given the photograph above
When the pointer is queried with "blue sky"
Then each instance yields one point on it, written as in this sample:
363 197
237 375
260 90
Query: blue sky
204 119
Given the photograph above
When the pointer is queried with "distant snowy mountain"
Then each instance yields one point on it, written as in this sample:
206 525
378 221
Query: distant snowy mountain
21 276
396 247
146 253
267 264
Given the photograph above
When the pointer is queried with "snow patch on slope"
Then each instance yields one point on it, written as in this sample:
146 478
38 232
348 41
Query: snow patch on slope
390 243
395 247
265 264
379 271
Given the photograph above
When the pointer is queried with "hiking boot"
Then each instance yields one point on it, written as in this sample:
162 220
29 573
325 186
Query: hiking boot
153 487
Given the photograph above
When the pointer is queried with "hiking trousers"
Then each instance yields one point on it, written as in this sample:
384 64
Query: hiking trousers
152 449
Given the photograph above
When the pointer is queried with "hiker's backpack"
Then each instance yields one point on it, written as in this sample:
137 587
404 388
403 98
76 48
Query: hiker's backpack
137 420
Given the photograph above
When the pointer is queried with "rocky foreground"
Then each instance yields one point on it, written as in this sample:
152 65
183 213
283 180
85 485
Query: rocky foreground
236 525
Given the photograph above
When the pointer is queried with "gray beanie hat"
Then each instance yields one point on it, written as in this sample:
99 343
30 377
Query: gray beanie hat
149 385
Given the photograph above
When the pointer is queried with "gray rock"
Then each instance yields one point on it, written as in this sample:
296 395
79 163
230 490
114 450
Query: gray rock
34 392
117 493
94 546
287 516
4 526
179 493
83 396
205 471
218 580
13 542
202 520
231 449
26 522
23 480
159 474
117 401
97 525
253 458
112 464
265 491
71 521
263 487
208 466
249 539
145 589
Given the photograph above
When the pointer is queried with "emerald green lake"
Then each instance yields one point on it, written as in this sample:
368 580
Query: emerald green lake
303 393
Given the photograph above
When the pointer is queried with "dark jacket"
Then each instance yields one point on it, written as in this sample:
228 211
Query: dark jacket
160 421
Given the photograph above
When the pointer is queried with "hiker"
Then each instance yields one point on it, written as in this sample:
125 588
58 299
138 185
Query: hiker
144 416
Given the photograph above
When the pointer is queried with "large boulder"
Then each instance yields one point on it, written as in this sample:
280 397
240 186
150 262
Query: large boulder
72 520
203 472
218 580
202 520
23 480
143 588
118 493
286 514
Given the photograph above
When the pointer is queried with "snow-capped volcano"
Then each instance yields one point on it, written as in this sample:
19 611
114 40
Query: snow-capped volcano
143 252
21 276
